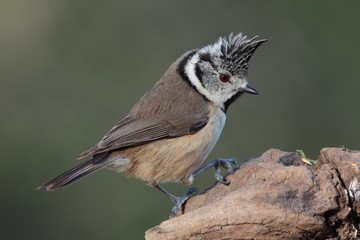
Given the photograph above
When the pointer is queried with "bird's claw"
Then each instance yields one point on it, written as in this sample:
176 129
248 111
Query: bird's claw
227 164
221 179
192 191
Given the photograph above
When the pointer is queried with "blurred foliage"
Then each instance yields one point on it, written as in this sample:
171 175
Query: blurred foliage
69 70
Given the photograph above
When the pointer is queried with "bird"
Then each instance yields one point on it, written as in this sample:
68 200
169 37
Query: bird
172 129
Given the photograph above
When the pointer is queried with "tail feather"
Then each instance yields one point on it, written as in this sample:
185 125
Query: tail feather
74 174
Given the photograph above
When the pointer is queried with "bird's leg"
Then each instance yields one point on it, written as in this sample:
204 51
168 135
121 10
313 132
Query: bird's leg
217 163
178 200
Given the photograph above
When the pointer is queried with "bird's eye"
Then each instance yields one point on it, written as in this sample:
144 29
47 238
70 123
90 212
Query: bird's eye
224 77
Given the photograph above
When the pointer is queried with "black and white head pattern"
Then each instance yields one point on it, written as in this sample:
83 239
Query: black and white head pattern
219 71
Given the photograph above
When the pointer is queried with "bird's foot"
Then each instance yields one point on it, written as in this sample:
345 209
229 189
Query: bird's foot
227 164
217 163
179 201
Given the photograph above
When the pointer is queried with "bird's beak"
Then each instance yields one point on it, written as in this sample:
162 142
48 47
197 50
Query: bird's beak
251 90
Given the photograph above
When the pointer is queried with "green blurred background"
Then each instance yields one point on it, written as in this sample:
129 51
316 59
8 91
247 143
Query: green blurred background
69 70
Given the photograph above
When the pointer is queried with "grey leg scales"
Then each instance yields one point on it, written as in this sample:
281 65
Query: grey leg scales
178 200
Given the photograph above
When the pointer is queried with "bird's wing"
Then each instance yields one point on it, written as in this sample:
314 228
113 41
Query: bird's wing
172 108
133 132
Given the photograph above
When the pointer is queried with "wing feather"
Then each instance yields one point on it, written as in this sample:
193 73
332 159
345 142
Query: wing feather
133 132
180 113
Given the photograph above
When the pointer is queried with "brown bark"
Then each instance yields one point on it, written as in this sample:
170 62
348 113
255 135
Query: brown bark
276 196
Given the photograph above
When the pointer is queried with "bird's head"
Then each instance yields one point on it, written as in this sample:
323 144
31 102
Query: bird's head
219 71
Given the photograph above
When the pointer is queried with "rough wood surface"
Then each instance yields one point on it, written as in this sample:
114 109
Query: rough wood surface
276 196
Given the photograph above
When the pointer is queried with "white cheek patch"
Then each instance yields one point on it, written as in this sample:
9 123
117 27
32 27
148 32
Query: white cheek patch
217 99
190 72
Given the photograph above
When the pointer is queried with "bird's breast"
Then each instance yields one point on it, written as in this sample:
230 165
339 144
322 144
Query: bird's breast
175 159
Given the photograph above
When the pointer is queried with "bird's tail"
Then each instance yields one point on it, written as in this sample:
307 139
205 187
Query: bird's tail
76 173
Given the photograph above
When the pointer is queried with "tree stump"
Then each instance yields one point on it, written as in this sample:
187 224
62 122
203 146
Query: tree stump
276 196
